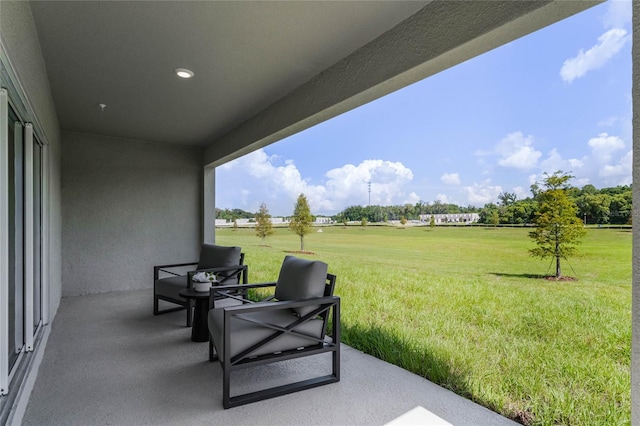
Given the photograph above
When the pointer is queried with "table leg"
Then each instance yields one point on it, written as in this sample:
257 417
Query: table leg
200 329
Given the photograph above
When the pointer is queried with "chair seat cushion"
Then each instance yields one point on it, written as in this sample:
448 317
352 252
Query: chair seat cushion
245 334
169 287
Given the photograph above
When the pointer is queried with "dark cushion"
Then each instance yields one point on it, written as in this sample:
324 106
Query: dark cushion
212 256
301 279
245 334
169 287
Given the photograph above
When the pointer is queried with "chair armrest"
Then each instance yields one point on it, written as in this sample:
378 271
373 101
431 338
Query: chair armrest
158 268
175 265
222 288
237 268
286 304
222 291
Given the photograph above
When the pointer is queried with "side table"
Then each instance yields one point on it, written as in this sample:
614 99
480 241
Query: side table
200 329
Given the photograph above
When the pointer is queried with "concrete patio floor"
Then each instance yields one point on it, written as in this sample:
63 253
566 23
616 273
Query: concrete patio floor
110 361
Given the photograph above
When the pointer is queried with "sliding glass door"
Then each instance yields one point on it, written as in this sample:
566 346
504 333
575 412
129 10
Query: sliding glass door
37 235
16 238
21 240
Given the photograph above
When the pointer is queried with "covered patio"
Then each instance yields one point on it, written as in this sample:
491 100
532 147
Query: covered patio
109 362
113 161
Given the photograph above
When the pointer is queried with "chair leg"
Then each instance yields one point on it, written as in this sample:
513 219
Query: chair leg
155 306
226 387
212 356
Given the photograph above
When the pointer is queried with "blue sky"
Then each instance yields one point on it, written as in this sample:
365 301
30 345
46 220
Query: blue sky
557 99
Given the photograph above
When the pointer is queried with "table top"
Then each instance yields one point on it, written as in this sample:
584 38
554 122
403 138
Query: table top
190 293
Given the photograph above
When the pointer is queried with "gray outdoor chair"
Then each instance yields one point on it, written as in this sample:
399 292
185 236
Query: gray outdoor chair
226 262
264 332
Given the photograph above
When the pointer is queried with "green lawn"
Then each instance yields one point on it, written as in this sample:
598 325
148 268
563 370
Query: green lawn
466 308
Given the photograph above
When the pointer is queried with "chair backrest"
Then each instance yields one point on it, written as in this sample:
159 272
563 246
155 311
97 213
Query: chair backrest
213 256
301 279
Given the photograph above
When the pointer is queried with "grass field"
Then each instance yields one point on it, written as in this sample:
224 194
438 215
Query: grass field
467 309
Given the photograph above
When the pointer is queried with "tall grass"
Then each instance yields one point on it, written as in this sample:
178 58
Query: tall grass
467 308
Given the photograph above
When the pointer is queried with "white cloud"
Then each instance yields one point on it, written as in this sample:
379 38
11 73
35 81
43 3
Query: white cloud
349 183
412 199
480 194
516 151
621 173
608 45
603 161
450 178
442 198
254 178
555 162
521 192
618 14
604 145
249 180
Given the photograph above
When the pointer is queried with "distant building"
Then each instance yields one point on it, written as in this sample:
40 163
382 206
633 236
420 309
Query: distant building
451 218
320 220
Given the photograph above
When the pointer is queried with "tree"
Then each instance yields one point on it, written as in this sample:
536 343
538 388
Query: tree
494 218
432 222
489 213
403 220
521 211
595 207
264 228
535 189
505 211
301 219
558 229
507 198
621 207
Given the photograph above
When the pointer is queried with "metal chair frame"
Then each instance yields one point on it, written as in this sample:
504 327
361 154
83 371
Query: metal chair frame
242 273
325 305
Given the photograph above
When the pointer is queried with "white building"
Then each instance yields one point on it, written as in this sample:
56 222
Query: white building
451 218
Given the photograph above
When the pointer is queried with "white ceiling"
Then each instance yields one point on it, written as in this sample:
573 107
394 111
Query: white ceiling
245 55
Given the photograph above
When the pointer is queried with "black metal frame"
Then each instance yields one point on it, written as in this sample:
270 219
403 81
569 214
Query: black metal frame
325 305
242 274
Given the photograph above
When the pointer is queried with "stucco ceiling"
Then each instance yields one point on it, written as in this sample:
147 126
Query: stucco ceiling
245 55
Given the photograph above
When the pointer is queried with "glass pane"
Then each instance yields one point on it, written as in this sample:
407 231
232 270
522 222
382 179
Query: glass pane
16 240
37 233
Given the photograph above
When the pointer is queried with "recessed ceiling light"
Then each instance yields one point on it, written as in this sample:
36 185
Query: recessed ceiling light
184 73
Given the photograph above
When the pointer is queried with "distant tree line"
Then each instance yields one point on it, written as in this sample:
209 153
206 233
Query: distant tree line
595 206
232 214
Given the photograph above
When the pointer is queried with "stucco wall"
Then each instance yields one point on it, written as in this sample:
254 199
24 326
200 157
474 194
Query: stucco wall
20 39
127 205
